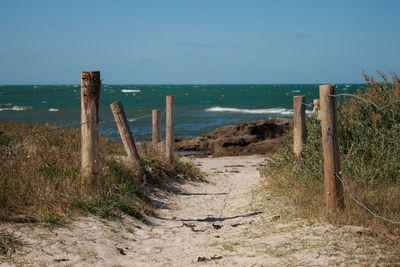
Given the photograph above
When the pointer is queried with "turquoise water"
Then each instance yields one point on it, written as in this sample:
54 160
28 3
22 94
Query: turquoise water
198 108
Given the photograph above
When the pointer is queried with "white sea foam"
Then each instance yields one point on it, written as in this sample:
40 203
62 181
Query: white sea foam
281 111
15 108
53 109
130 91
347 85
296 91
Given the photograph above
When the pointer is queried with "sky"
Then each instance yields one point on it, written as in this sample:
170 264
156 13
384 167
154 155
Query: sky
198 41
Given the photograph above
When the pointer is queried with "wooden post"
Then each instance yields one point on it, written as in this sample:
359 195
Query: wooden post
90 99
299 126
156 126
169 131
125 132
333 187
316 108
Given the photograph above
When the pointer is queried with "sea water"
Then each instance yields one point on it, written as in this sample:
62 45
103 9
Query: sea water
198 108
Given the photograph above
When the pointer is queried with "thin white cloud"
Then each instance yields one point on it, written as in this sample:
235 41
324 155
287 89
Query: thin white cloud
303 35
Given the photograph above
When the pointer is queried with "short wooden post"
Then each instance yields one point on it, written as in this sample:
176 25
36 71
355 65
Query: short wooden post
316 108
299 130
156 126
124 131
90 99
333 187
169 129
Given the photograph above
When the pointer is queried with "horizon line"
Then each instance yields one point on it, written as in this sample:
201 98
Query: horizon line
301 83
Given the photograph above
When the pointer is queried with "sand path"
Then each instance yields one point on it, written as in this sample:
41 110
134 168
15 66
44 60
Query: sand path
201 224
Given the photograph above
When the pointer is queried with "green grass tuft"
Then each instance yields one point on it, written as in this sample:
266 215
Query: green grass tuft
8 243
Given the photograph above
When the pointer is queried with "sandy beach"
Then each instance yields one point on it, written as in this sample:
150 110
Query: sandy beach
225 221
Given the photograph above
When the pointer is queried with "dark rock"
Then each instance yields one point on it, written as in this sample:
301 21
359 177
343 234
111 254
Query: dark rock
245 138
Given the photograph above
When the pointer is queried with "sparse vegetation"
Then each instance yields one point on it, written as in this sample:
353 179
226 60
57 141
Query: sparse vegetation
369 154
8 243
40 178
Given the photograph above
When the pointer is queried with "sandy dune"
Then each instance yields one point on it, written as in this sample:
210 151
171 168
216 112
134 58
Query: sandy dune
221 222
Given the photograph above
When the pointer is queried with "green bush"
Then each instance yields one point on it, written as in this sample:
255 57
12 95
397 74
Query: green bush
369 156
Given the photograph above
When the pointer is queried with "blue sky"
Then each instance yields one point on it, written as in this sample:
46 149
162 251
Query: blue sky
198 41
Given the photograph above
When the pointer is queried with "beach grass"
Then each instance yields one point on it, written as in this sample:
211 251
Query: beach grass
41 182
369 156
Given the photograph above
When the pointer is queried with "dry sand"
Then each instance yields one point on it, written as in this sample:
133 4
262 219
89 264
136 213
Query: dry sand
226 222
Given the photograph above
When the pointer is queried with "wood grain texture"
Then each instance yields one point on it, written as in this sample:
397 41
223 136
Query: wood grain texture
124 131
169 130
90 99
299 131
333 187
156 126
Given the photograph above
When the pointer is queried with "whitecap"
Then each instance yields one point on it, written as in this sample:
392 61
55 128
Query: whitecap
53 109
130 91
296 91
15 108
282 111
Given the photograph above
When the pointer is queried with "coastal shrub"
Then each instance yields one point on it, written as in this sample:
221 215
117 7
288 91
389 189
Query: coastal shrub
40 178
369 157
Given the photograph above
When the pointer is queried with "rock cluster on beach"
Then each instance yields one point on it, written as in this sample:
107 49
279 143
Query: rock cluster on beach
245 138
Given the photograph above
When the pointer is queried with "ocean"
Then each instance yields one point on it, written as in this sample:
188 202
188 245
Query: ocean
198 108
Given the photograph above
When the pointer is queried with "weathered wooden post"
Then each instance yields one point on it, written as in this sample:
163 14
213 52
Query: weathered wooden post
156 126
90 99
333 187
299 130
124 131
316 108
169 129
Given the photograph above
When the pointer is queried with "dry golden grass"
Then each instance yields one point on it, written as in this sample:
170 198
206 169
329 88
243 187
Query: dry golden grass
40 178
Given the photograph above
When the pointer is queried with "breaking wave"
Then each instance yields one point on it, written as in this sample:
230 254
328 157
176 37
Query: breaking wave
130 91
281 111
15 108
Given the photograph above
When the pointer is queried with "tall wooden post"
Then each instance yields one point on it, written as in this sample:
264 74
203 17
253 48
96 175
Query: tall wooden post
333 187
316 108
169 129
299 130
156 126
90 99
124 131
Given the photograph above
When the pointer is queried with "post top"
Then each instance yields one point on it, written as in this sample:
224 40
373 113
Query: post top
327 85
90 71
